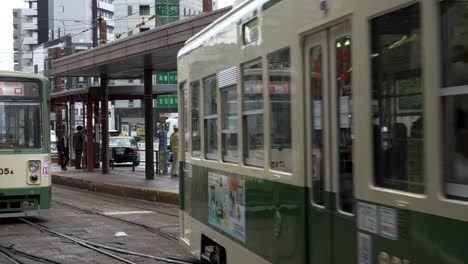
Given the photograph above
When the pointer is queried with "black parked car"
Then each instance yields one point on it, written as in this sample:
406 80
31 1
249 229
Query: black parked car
124 149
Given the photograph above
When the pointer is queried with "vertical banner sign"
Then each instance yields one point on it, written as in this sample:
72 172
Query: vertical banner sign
226 204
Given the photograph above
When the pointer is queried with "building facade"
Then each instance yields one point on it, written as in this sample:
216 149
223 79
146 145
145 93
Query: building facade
25 36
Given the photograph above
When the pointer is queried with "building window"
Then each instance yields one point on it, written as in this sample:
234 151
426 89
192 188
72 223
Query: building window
210 117
144 10
195 94
454 16
397 100
229 124
129 11
252 115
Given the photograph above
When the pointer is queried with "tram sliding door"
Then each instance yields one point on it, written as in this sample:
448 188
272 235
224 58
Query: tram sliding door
331 222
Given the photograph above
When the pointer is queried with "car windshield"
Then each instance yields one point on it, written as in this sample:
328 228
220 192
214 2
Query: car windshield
121 142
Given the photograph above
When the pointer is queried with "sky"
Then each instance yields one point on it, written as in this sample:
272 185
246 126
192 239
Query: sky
6 29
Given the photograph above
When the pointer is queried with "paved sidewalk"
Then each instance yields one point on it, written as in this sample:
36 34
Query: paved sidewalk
121 181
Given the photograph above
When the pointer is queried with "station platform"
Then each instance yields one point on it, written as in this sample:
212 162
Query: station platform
121 181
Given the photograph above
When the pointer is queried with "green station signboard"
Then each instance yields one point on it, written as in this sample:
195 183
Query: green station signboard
163 9
167 101
166 78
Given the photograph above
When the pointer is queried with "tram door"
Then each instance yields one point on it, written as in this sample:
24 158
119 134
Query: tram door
331 221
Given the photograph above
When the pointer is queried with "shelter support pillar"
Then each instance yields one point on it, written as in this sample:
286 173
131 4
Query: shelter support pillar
149 129
105 124
89 135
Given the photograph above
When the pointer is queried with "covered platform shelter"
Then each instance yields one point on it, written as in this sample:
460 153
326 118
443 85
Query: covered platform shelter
136 57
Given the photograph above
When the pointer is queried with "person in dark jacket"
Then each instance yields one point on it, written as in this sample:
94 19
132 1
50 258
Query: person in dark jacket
63 149
78 143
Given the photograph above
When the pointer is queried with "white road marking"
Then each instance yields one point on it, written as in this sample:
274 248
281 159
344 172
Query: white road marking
129 212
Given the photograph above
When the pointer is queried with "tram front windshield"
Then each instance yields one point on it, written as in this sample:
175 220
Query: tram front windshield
20 115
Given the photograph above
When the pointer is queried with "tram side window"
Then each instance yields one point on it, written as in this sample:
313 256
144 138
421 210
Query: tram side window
252 115
229 123
454 17
185 117
345 124
397 100
195 94
279 66
210 117
316 109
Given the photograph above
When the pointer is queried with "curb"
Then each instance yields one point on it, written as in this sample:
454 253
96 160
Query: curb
119 190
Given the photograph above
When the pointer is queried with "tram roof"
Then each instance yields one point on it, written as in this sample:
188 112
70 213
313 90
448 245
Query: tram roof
127 58
21 74
219 25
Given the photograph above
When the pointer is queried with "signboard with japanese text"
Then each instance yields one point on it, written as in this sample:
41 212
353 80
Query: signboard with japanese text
167 101
167 10
166 78
11 89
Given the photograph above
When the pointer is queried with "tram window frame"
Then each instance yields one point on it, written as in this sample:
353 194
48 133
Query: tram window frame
210 116
257 112
226 124
277 108
196 119
454 97
398 147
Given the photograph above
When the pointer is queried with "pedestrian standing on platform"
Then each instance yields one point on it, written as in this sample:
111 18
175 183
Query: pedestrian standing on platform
174 141
78 142
63 149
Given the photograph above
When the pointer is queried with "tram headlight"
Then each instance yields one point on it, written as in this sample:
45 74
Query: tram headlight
34 166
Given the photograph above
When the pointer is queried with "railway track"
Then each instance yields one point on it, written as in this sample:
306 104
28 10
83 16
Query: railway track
15 256
159 231
104 249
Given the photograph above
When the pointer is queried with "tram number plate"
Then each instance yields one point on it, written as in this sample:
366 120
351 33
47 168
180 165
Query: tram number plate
6 171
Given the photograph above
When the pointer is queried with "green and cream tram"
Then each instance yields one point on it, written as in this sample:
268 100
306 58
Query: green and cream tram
24 144
327 131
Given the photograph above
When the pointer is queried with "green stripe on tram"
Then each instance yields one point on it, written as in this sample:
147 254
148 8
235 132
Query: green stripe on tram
41 196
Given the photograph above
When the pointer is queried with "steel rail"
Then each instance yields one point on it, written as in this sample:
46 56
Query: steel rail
157 231
95 245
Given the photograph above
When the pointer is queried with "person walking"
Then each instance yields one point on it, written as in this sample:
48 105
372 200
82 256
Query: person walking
174 141
78 143
63 149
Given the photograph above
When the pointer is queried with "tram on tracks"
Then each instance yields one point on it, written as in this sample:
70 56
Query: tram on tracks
328 131
25 184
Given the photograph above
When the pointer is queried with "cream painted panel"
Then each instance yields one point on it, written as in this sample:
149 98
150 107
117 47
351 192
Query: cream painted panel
19 164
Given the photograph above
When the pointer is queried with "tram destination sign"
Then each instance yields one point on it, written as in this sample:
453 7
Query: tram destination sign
167 101
11 89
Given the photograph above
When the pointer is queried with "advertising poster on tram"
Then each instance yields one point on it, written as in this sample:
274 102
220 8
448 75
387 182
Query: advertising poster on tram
226 205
